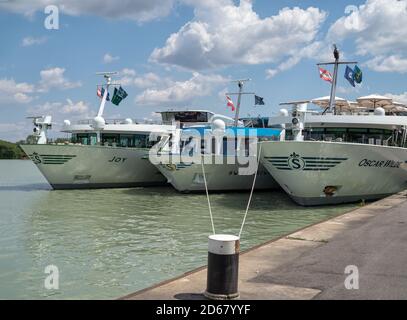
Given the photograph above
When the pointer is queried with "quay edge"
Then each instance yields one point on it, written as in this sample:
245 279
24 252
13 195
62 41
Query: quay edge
310 263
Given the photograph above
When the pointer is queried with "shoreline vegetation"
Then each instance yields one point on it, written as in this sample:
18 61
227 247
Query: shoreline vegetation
10 150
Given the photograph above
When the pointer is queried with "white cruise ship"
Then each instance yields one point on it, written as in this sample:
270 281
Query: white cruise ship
104 153
337 158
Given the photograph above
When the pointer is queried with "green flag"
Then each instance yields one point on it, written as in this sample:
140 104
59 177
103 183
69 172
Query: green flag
118 95
357 74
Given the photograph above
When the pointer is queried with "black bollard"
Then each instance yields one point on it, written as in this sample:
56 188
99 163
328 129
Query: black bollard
223 267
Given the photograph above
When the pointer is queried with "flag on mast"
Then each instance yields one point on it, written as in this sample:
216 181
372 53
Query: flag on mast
325 74
357 74
350 76
258 101
230 103
118 95
101 91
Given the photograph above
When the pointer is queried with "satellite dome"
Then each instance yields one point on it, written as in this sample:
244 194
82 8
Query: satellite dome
218 125
379 111
99 123
128 121
283 112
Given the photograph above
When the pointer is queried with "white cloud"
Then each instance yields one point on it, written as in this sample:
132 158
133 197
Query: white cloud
54 78
30 41
5 127
23 92
22 97
402 97
316 50
14 131
79 107
222 94
348 90
270 73
147 80
393 63
11 91
108 58
139 10
223 34
379 33
129 77
58 109
127 72
182 91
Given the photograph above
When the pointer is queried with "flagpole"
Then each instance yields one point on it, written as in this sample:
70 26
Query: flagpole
334 80
239 94
107 76
103 102
336 63
239 97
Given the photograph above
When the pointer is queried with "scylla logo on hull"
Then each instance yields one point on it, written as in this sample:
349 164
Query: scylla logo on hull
296 162
36 158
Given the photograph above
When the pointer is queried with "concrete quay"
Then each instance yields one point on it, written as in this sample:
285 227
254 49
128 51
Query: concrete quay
310 263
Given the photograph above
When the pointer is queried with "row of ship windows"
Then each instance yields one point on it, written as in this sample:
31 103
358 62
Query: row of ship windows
119 140
354 135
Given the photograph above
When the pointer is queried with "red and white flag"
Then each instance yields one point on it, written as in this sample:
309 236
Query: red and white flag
99 92
325 75
230 103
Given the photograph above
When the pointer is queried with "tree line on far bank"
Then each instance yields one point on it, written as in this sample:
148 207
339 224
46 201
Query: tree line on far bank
9 150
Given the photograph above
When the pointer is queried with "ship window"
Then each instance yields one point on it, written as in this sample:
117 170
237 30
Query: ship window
110 139
379 131
335 130
126 140
185 116
93 139
317 129
140 140
358 130
83 138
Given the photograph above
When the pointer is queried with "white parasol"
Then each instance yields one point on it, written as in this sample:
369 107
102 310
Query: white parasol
323 102
374 101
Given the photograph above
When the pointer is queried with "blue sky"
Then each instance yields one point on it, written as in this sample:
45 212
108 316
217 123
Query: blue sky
183 53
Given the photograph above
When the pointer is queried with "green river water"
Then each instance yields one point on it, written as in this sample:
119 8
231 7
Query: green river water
108 243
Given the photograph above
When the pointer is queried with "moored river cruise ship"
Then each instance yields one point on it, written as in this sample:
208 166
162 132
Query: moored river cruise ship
357 153
105 153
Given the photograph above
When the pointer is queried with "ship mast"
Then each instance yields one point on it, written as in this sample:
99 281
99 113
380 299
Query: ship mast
336 63
108 78
99 121
240 84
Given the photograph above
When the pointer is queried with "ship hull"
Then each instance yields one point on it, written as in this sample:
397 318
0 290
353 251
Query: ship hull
89 167
188 177
319 173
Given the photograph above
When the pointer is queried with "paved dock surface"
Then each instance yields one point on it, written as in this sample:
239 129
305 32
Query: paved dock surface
310 263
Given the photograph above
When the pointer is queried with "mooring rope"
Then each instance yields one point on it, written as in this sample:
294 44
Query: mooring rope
251 193
207 195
